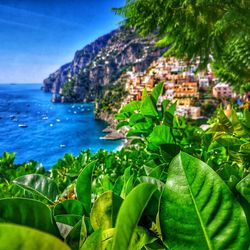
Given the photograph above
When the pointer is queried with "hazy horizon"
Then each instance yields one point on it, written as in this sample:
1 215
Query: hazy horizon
37 37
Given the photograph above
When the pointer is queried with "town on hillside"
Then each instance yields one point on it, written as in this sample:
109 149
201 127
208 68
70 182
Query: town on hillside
196 95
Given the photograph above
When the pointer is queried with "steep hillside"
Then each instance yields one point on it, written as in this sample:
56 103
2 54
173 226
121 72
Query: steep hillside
100 65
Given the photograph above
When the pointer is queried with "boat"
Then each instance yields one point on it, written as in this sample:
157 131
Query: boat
22 125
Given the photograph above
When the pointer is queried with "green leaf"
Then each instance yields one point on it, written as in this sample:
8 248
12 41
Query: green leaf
40 185
83 186
245 148
69 207
135 118
130 214
99 240
160 135
140 238
104 211
27 212
93 242
198 210
122 124
152 180
128 186
131 107
17 237
148 108
172 108
164 105
244 187
155 172
77 235
144 94
157 91
117 189
67 219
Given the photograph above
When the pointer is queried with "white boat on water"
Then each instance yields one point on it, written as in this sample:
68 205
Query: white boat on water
22 125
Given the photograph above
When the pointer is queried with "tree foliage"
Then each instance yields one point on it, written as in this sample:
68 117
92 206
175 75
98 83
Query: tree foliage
217 30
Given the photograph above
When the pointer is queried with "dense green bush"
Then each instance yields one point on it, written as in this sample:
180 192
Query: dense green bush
176 187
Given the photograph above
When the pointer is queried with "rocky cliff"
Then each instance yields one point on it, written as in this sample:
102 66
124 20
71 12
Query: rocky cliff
100 64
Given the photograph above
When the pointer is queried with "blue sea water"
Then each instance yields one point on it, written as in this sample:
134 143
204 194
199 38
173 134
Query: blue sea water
53 129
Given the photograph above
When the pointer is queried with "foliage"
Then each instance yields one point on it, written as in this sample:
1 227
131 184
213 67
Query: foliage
198 29
15 237
68 90
110 98
176 187
9 171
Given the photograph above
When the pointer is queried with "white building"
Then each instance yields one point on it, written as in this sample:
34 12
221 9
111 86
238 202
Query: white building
203 82
222 90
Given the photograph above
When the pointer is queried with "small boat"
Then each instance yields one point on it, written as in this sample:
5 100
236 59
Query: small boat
62 146
12 117
22 125
51 125
58 120
45 118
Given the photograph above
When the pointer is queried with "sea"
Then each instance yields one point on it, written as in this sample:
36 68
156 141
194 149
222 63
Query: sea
35 128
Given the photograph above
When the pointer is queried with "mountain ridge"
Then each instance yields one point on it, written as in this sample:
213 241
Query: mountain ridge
100 64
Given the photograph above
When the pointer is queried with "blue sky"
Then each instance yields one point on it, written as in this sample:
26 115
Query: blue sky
38 36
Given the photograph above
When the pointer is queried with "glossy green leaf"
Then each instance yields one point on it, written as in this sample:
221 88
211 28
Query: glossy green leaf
128 186
144 94
69 207
155 172
244 187
131 107
160 135
16 237
122 124
172 108
27 212
198 210
157 91
135 118
99 240
152 180
40 185
148 108
78 234
83 186
117 189
68 219
140 238
94 241
104 211
164 105
130 214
